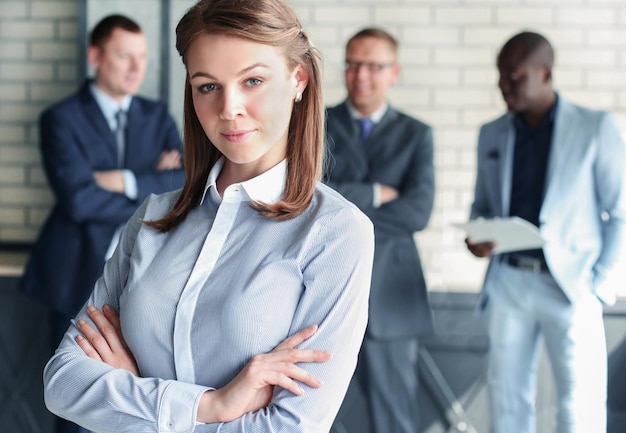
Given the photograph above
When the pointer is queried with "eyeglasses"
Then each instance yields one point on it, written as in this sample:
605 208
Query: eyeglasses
371 67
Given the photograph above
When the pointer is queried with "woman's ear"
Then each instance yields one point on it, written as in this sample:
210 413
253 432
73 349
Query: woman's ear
301 79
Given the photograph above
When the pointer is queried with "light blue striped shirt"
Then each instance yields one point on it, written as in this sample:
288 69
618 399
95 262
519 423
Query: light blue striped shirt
198 302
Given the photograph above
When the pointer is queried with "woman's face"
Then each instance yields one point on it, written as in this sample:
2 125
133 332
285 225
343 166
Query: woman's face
243 94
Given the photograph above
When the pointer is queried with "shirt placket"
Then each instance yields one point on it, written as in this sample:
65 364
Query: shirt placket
201 272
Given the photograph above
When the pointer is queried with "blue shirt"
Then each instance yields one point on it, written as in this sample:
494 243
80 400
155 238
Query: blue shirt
196 303
530 162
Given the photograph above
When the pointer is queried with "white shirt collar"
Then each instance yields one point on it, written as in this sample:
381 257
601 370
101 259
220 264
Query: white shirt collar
108 105
375 116
268 187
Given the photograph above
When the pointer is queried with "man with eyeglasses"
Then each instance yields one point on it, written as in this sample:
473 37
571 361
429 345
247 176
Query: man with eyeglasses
382 160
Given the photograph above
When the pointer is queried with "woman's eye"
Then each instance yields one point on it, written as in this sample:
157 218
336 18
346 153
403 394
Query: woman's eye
205 88
253 82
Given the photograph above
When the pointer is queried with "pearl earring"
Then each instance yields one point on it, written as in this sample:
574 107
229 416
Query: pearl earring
298 97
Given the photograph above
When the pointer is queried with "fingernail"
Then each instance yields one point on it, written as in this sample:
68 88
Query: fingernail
91 308
81 323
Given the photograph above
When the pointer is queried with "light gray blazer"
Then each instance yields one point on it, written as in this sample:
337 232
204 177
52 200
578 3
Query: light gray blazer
583 215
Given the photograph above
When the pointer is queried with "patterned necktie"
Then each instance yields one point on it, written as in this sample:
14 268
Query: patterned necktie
366 127
120 137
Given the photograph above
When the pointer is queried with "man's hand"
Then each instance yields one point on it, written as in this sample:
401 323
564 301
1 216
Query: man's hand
111 180
387 194
481 249
169 160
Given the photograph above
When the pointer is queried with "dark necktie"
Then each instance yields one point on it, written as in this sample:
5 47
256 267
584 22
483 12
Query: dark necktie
366 127
120 137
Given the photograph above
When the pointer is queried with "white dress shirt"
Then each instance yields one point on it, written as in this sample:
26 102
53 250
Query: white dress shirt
196 303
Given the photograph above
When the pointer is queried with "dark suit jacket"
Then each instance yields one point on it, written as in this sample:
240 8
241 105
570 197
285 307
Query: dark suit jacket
398 153
75 141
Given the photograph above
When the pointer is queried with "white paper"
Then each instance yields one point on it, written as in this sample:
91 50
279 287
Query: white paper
508 234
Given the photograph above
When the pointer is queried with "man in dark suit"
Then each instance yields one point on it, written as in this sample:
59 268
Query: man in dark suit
104 151
382 160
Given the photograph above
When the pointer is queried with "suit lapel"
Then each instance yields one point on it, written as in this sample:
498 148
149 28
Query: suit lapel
504 142
562 149
97 122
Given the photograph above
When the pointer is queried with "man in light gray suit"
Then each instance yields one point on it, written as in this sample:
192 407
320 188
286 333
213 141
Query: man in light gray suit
561 167
382 160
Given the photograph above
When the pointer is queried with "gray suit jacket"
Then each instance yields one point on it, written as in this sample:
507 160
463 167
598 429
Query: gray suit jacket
399 153
583 215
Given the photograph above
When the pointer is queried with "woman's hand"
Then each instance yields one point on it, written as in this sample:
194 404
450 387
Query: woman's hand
107 343
253 387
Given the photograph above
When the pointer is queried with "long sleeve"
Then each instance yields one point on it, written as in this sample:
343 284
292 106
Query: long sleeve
611 193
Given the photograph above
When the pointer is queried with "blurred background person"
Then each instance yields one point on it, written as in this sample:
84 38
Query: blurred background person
382 160
561 167
104 151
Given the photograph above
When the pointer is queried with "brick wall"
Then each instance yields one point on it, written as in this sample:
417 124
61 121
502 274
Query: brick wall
448 80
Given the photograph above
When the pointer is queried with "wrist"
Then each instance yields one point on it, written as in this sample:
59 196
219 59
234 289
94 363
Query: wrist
208 408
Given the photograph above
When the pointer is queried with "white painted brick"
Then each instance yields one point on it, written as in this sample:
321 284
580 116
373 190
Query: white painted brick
523 17
20 112
50 92
18 154
607 37
53 50
440 117
23 29
463 56
457 137
12 92
12 175
54 9
444 76
67 72
36 176
431 35
13 50
408 97
25 72
414 56
587 57
605 78
571 76
13 9
602 100
484 77
24 195
14 216
11 134
492 37
461 97
67 30
343 15
561 37
586 16
463 15
402 14
11 234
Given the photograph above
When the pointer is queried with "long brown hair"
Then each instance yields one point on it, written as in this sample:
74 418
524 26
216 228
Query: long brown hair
270 22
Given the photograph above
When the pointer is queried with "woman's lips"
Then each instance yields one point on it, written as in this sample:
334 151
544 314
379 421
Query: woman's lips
238 136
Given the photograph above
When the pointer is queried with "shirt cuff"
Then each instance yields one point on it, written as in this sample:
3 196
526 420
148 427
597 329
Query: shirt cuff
376 195
179 407
130 184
